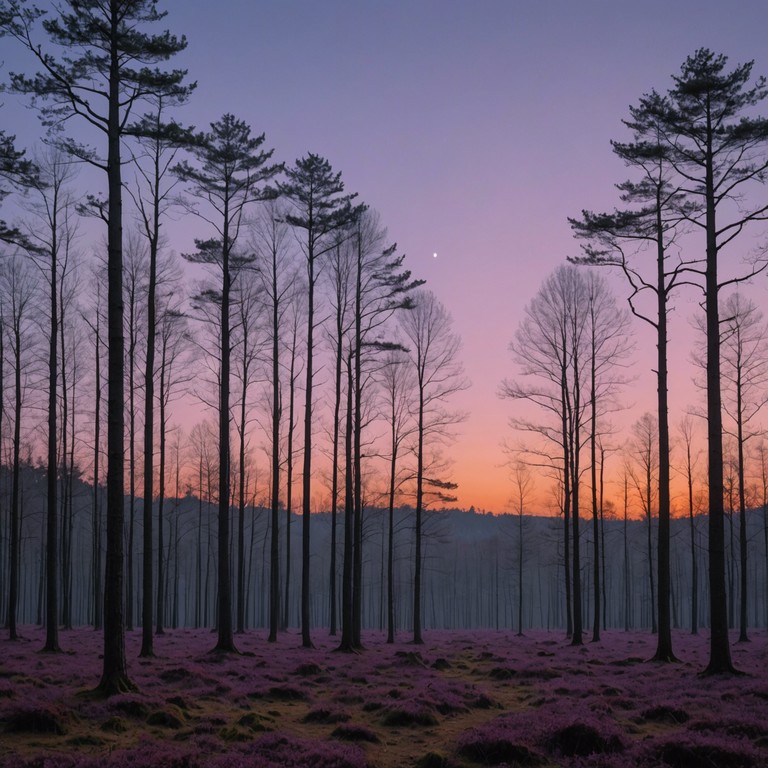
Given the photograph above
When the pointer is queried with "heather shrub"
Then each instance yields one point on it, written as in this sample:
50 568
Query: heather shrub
35 721
354 732
324 715
489 749
663 713
582 739
408 714
686 751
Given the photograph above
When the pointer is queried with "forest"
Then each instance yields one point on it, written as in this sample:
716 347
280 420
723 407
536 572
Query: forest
226 465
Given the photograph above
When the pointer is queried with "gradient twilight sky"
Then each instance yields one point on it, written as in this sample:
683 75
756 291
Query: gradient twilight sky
474 128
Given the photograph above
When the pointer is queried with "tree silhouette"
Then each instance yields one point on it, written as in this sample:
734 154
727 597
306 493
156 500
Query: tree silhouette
433 351
320 209
717 148
232 171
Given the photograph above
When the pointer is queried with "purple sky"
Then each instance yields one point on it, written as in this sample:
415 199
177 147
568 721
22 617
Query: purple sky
474 128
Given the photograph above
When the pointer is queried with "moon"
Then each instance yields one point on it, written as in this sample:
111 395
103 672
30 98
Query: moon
434 255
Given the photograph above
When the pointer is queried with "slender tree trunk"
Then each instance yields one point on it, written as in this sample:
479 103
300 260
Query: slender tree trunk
131 450
335 466
51 604
147 641
347 581
357 452
719 649
627 604
241 496
602 539
664 650
98 618
13 595
274 549
519 570
574 438
115 675
199 553
391 533
306 480
225 640
160 609
289 482
743 636
566 506
593 474
417 638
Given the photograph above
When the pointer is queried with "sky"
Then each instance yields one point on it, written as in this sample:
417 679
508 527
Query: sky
474 129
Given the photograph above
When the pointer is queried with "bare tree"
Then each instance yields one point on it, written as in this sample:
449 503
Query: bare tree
397 390
522 482
686 430
569 347
744 369
52 238
433 352
644 451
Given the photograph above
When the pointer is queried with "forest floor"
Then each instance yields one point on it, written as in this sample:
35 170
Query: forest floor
460 699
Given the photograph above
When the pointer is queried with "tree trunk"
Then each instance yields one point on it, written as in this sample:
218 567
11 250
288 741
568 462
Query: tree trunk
114 677
719 648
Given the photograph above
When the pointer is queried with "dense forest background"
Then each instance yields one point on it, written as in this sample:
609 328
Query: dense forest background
473 573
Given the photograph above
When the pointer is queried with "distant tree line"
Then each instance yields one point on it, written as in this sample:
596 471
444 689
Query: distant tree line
474 577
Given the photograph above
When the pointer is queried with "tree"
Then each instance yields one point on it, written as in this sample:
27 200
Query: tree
644 451
522 483
275 276
173 340
658 209
110 68
233 168
744 367
339 276
568 347
135 263
295 318
718 148
433 353
687 435
378 287
608 346
52 238
250 340
319 209
394 376
159 143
